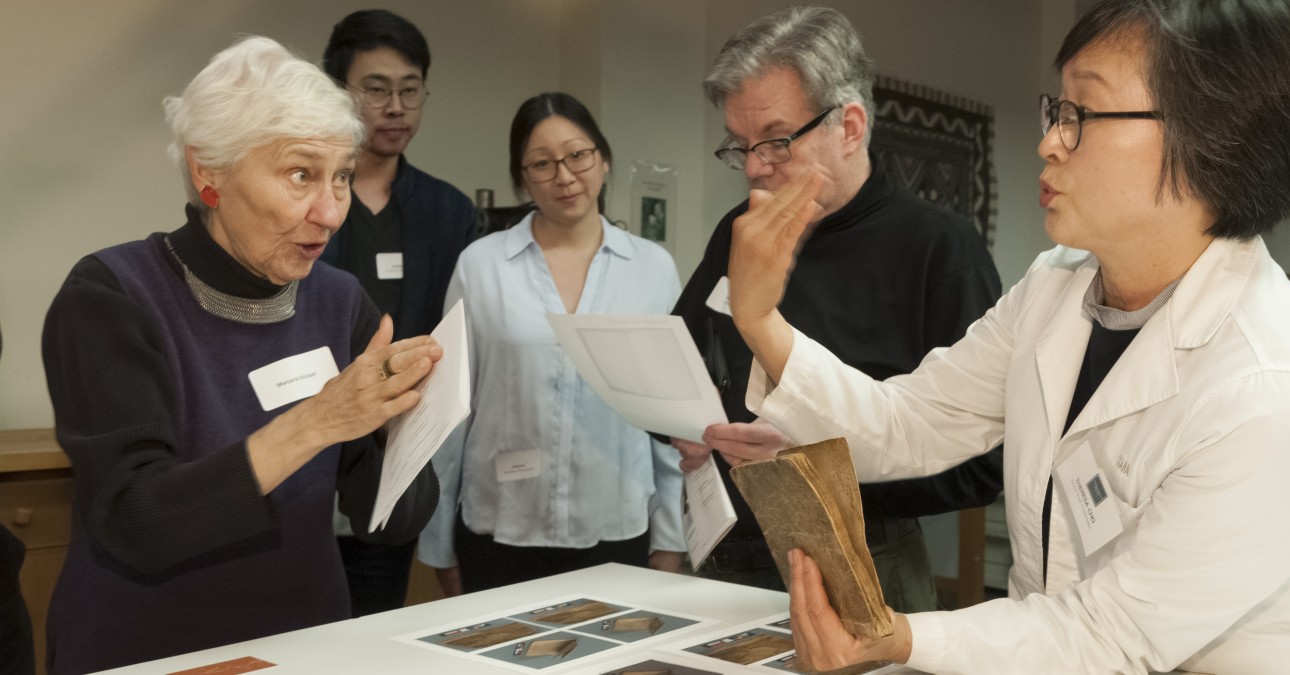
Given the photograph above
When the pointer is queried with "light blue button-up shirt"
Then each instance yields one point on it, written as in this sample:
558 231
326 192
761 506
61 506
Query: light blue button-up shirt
597 478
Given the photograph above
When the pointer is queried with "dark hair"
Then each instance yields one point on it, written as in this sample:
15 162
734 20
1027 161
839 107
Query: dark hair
552 104
370 29
1219 74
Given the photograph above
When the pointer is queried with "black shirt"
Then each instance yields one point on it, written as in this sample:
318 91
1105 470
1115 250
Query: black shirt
881 282
373 234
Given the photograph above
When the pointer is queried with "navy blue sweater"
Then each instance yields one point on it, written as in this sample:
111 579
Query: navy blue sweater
174 548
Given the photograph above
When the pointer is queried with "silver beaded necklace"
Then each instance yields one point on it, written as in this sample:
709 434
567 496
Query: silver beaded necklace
278 307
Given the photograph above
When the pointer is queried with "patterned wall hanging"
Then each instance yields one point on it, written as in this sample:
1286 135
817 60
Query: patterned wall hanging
937 146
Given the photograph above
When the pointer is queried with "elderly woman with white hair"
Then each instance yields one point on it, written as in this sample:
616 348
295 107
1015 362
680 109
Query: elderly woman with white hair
215 389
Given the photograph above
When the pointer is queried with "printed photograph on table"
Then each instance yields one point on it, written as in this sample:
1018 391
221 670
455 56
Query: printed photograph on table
746 647
635 626
657 667
787 663
790 664
555 635
483 635
246 664
763 646
785 623
571 612
551 649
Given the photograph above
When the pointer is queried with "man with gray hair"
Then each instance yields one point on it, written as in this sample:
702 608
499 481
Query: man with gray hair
882 278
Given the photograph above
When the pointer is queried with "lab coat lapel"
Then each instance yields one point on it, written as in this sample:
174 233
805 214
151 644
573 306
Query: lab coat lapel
1147 372
1060 350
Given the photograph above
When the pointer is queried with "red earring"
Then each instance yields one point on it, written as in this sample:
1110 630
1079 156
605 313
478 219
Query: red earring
210 197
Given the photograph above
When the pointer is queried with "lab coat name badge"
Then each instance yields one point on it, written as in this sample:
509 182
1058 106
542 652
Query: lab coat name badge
294 378
1094 512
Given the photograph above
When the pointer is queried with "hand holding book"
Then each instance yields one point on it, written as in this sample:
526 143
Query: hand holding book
807 501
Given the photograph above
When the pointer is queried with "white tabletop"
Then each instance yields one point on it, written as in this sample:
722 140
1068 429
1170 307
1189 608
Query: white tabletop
364 645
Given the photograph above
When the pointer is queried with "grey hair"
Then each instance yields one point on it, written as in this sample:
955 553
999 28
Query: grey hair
251 94
817 43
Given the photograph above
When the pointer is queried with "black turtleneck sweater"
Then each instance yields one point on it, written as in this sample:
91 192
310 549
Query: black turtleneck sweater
880 282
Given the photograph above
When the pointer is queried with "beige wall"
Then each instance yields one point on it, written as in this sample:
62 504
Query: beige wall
84 141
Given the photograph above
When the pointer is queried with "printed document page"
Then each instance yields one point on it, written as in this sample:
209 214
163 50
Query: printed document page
708 514
416 434
645 367
649 371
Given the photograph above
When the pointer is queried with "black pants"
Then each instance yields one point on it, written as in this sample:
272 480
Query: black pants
486 564
377 574
17 653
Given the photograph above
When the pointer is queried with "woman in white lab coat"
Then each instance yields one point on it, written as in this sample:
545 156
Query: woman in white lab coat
1143 364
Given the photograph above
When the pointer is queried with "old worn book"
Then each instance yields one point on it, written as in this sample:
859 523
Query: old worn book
808 498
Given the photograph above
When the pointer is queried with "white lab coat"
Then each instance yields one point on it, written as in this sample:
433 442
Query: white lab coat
1191 429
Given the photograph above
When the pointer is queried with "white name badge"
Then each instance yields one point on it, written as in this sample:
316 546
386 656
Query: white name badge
293 378
719 298
1095 513
389 265
518 464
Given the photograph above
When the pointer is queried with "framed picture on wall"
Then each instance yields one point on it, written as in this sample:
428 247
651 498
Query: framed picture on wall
653 210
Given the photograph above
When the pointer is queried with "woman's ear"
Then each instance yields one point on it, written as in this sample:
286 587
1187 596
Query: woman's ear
200 175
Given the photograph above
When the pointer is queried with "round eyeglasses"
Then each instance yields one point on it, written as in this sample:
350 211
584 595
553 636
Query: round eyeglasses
379 97
1069 118
544 170
773 151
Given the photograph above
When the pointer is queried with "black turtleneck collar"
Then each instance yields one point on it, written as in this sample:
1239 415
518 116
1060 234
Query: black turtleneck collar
209 261
870 197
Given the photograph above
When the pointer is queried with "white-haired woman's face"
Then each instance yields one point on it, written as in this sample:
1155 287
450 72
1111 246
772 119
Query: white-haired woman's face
280 204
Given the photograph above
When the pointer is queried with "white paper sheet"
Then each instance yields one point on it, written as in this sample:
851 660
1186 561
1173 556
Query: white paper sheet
416 434
645 367
708 513
649 371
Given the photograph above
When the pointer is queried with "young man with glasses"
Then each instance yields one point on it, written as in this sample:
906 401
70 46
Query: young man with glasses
402 236
883 278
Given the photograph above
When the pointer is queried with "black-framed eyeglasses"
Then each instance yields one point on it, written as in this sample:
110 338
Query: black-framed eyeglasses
379 97
773 151
1069 118
544 170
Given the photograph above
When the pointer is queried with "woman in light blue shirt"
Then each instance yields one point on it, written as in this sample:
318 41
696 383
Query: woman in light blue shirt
544 477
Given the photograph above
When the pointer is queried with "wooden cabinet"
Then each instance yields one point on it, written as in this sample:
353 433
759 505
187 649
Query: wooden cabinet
36 505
